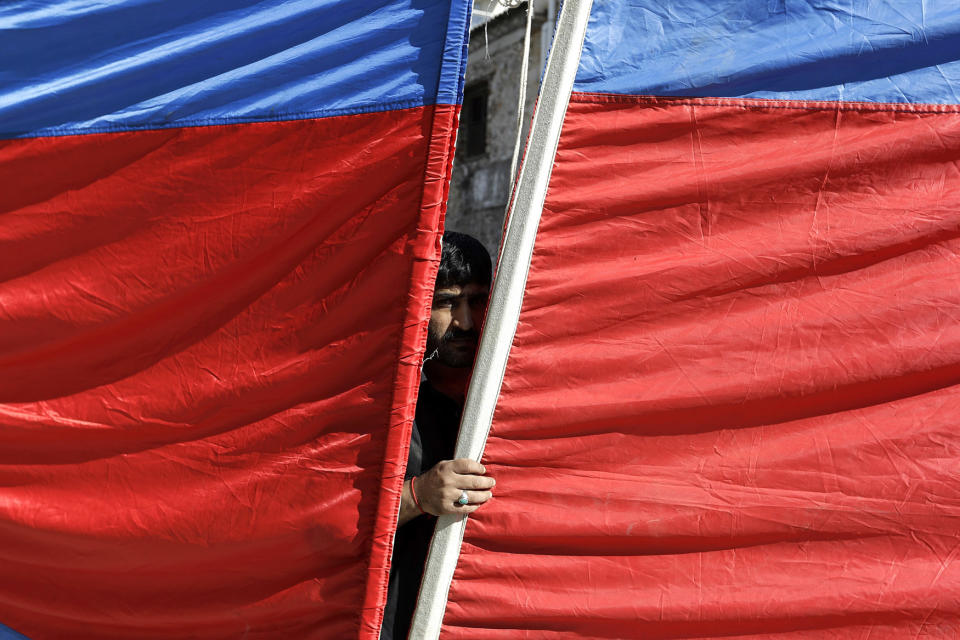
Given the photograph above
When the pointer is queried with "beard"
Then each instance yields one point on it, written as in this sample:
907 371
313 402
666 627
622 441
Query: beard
455 348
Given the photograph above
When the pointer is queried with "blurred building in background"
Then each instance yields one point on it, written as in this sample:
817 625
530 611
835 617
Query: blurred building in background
480 186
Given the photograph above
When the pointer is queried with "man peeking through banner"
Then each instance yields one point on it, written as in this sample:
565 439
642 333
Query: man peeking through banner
434 484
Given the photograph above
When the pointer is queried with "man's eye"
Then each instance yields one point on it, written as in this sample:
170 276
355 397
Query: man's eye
442 304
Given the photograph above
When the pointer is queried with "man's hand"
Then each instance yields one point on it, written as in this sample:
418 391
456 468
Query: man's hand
439 489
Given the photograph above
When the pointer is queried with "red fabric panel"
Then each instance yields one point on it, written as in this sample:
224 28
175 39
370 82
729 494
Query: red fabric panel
209 348
731 406
436 186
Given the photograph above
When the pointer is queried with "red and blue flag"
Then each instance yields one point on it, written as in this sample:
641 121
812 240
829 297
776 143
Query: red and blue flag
730 407
219 227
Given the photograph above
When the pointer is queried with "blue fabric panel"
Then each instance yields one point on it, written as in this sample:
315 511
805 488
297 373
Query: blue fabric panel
83 66
904 51
6 633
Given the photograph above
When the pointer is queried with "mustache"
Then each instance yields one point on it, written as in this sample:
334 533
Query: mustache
460 334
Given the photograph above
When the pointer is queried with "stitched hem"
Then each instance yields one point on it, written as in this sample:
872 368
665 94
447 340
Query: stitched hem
762 103
72 130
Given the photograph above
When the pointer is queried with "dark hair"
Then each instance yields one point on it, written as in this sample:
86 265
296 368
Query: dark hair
463 261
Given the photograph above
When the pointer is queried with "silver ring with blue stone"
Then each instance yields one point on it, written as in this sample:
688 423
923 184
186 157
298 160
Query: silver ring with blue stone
464 500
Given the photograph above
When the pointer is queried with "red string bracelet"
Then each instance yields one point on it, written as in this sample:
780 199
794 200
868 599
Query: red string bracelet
416 500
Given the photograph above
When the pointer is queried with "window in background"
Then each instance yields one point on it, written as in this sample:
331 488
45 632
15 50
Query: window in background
475 118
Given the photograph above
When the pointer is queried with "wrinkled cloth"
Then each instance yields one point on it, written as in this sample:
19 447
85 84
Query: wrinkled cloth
220 225
730 407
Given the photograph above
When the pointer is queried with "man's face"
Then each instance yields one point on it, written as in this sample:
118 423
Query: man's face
455 321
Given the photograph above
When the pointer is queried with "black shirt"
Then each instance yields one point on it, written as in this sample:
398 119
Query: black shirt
433 439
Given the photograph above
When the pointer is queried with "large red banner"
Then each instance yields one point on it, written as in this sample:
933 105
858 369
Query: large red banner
730 407
212 317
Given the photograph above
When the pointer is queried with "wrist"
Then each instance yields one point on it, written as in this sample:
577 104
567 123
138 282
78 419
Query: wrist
413 493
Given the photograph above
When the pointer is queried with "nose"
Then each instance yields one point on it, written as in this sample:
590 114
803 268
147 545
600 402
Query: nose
463 317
